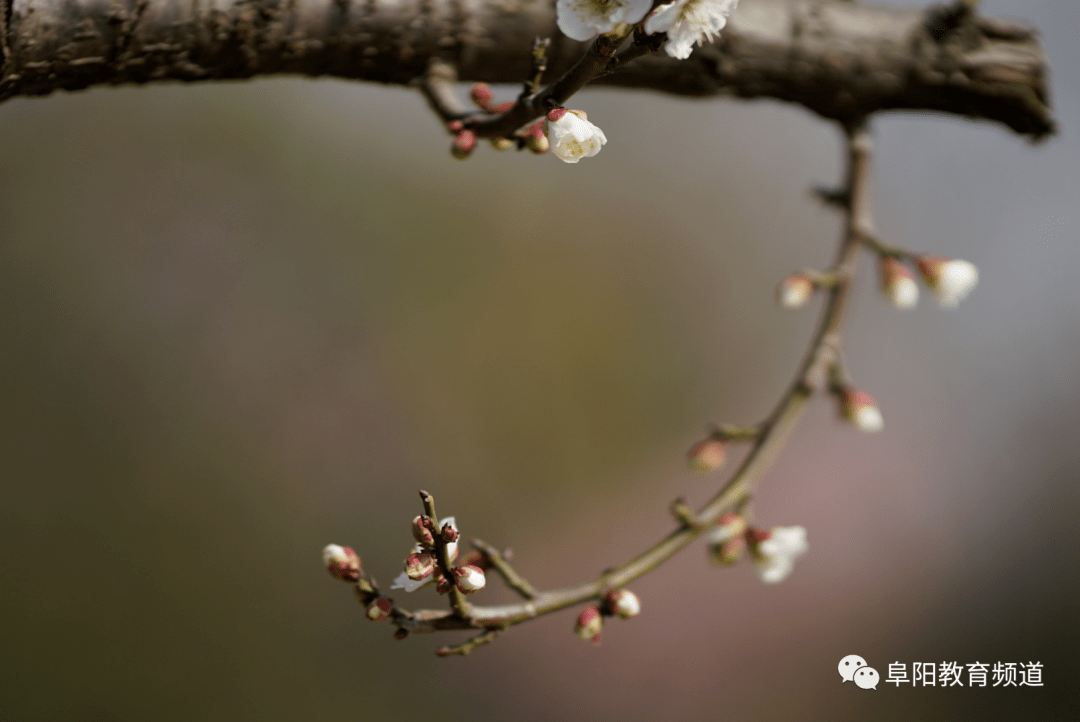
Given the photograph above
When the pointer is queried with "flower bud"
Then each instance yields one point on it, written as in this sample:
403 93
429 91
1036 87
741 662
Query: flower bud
706 455
463 144
469 579
729 526
442 585
419 565
898 284
342 562
727 553
623 603
951 279
794 291
481 95
502 107
589 624
501 144
556 114
861 410
449 533
421 533
455 126
536 139
775 551
379 609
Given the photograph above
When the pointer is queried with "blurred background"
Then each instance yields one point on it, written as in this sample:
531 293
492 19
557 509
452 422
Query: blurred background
238 322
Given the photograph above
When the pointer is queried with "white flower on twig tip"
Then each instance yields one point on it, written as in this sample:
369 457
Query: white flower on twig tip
572 136
689 21
952 279
775 551
402 581
585 19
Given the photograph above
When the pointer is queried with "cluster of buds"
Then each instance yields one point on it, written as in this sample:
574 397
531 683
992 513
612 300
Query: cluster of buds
620 603
951 279
773 551
344 564
422 565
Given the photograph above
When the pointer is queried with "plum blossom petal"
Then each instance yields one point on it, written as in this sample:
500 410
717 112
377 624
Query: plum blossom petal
585 19
573 137
689 21
775 556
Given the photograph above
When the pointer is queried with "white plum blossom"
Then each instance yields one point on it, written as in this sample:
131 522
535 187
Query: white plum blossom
689 21
402 580
585 19
572 136
951 279
775 556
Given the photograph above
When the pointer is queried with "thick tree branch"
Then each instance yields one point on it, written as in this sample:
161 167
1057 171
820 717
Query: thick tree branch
842 60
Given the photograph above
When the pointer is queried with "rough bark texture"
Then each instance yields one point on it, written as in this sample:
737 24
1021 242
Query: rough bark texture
842 60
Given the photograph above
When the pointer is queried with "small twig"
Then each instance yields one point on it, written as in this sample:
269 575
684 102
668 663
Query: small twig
683 513
461 607
539 67
499 563
466 647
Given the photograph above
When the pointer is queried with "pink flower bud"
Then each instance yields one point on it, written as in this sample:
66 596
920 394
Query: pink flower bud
419 565
342 562
623 603
455 126
706 455
861 410
442 585
536 139
469 579
951 279
556 114
589 625
449 533
463 144
898 284
481 95
794 291
502 107
421 533
379 609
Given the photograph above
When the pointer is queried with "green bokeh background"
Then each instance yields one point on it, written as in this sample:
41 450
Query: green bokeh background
238 322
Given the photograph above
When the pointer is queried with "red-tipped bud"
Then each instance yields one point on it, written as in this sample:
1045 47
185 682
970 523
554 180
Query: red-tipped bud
951 279
379 609
469 579
502 107
421 531
622 603
861 410
419 565
706 455
342 562
898 284
442 585
536 139
729 526
481 95
463 144
449 533
794 291
455 126
589 624
556 114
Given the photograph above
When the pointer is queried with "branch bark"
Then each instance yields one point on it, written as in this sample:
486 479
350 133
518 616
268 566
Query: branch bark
841 60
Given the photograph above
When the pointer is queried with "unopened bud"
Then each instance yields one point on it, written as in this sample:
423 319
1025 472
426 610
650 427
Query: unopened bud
455 126
951 279
463 144
536 139
706 455
442 585
729 526
481 95
379 609
502 107
727 553
342 562
421 533
794 291
469 579
449 533
861 410
589 625
623 603
501 144
898 284
419 565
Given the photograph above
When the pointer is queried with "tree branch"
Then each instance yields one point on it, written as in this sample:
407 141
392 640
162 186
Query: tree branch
842 60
